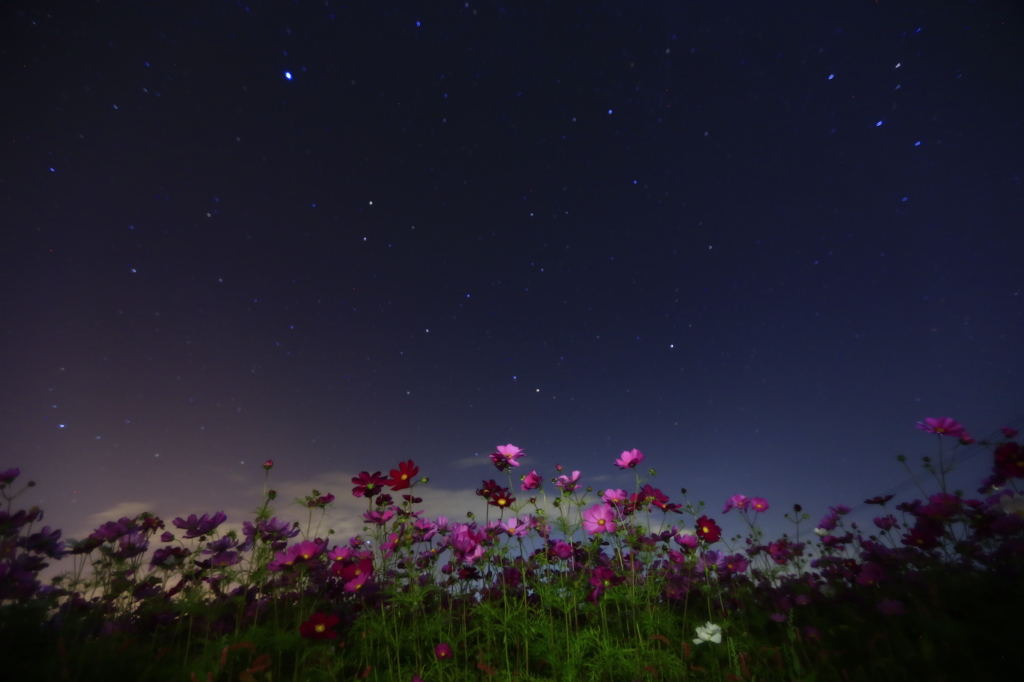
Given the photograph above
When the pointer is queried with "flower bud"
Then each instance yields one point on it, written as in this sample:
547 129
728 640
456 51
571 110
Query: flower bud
268 465
271 494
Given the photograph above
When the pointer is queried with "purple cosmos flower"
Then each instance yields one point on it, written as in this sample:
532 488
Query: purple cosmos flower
204 525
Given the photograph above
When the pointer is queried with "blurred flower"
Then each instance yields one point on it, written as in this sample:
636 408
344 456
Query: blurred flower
759 504
686 539
709 632
442 651
131 545
319 626
9 475
891 607
599 519
944 426
602 578
568 484
1007 433
629 459
400 477
886 522
268 465
708 530
531 481
204 525
615 497
736 502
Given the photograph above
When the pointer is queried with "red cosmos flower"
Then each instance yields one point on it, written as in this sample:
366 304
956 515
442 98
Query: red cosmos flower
367 484
319 626
488 489
501 498
400 476
708 530
1009 460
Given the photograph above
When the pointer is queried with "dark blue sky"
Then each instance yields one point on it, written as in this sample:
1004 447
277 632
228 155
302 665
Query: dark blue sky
757 241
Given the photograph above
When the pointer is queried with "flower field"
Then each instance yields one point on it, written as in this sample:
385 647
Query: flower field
564 583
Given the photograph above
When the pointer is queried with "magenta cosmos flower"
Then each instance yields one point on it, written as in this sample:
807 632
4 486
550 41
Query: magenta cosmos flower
367 484
531 481
629 459
443 651
759 504
599 519
944 426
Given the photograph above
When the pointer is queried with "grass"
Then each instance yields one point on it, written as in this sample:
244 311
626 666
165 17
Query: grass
932 594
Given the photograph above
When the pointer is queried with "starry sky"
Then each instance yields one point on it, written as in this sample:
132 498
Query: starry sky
758 241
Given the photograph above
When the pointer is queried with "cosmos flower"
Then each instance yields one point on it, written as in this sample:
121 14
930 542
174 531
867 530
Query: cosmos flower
759 504
9 475
709 632
442 651
944 426
531 481
367 484
400 477
708 530
319 626
599 519
511 453
568 484
629 459
736 502
204 525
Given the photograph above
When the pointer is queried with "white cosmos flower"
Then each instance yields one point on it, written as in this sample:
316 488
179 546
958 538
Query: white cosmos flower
709 632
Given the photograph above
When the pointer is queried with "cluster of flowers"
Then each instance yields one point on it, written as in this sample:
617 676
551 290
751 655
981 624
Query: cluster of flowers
847 558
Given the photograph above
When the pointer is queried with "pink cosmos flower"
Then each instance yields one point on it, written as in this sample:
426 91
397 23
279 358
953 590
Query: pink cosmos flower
443 651
531 481
736 502
629 459
516 528
506 456
568 484
615 497
759 504
599 519
944 426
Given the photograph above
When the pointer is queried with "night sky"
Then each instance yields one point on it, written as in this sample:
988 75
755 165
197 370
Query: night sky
756 240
